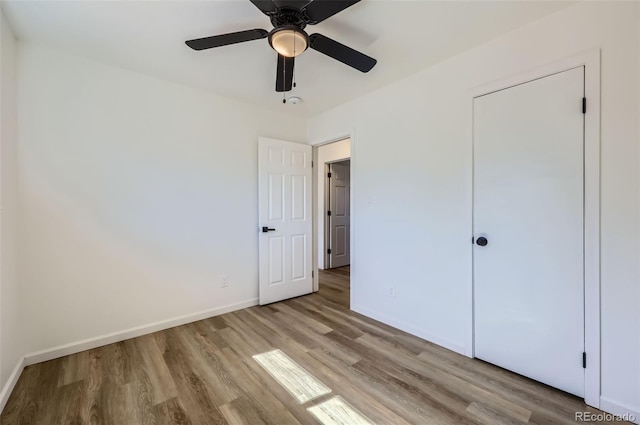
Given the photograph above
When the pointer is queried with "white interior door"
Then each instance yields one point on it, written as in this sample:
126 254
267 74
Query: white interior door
340 218
528 207
284 180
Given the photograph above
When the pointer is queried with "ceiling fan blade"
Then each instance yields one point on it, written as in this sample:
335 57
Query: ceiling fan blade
342 53
319 10
284 74
266 6
226 39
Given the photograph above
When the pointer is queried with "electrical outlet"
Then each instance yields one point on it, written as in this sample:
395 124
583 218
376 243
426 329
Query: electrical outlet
225 281
392 292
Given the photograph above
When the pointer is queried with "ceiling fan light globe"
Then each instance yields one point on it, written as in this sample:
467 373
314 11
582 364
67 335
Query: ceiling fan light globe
289 42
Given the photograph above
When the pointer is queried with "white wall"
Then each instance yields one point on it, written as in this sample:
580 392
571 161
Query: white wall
137 195
331 152
10 327
421 126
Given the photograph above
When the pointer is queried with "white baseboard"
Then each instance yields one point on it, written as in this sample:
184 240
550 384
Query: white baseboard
99 341
413 330
11 383
628 413
87 344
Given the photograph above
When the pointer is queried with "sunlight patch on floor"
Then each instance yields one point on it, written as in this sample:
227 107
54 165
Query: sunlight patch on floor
300 383
336 411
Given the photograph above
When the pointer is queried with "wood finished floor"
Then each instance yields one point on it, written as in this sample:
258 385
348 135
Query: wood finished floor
204 373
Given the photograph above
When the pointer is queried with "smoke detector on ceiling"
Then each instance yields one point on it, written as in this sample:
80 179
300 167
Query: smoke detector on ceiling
294 100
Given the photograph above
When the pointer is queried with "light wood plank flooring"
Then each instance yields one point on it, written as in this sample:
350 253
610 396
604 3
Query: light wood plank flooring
204 373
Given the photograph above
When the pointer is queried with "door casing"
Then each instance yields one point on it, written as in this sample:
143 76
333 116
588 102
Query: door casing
351 135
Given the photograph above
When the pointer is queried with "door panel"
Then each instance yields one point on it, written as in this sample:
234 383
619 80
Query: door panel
339 221
298 256
340 241
298 197
284 180
275 198
276 259
528 203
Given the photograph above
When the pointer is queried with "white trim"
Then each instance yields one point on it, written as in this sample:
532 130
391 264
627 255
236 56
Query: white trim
11 383
314 220
352 221
468 344
335 161
409 328
332 140
619 409
591 61
326 202
87 344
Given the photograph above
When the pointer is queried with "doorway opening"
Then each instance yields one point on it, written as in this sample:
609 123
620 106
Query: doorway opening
332 199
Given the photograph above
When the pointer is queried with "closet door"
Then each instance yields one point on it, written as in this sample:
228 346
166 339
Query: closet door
528 208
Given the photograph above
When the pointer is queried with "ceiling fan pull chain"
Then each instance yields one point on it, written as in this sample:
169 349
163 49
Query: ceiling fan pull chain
284 79
294 55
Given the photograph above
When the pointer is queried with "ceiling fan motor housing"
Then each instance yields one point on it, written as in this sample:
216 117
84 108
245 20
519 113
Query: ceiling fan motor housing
288 16
288 40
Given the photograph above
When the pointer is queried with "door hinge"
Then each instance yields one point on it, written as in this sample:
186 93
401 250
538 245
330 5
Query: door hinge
329 213
311 273
329 251
584 105
584 360
329 175
311 164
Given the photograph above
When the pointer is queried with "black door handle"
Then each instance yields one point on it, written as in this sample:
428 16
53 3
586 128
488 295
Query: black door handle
482 241
265 229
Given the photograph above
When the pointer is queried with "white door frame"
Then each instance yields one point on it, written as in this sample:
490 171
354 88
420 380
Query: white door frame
346 135
327 199
591 61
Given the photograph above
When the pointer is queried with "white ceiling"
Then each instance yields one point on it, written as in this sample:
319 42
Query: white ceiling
148 36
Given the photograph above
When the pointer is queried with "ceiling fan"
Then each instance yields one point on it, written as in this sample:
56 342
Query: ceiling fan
288 38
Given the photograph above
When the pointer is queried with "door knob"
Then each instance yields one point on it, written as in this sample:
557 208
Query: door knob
482 241
265 229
